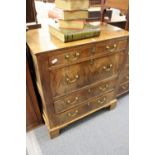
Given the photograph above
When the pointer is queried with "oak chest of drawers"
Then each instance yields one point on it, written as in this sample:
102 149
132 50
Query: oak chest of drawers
78 78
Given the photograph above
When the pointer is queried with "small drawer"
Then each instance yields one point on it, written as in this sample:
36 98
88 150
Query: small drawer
64 103
111 46
72 55
85 108
123 88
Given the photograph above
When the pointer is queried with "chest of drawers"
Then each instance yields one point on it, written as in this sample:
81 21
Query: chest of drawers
78 78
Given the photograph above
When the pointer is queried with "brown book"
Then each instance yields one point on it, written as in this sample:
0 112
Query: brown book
72 4
57 13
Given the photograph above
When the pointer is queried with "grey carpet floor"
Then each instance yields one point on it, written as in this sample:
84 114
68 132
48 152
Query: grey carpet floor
102 133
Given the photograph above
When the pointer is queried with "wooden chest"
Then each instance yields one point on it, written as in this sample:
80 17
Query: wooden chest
78 78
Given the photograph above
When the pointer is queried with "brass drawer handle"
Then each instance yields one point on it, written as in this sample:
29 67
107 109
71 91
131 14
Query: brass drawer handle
106 86
67 56
72 80
73 114
73 57
73 102
101 102
111 48
107 68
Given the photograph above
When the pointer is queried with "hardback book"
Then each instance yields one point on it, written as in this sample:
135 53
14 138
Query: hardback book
66 35
57 13
71 24
72 4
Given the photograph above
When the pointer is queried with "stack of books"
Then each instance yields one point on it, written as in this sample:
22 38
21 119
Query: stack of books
69 21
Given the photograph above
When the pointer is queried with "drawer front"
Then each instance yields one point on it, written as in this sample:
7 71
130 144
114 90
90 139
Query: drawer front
69 101
123 88
72 55
84 108
111 46
77 76
81 53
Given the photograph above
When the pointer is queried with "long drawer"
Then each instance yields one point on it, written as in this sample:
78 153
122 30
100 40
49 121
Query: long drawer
80 53
84 108
66 102
74 77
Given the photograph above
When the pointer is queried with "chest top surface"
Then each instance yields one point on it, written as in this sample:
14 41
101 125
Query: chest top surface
40 40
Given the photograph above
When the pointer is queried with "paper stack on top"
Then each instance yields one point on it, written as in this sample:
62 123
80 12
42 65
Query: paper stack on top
69 21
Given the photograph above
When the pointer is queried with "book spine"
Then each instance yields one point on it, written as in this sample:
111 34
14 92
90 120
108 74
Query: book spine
83 35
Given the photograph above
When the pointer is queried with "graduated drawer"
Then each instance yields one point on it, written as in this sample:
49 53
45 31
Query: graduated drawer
111 46
76 76
85 108
69 101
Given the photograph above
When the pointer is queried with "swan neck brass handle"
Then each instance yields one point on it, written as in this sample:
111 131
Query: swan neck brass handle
107 68
101 101
111 47
73 57
73 102
67 56
106 86
73 114
70 81
77 54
